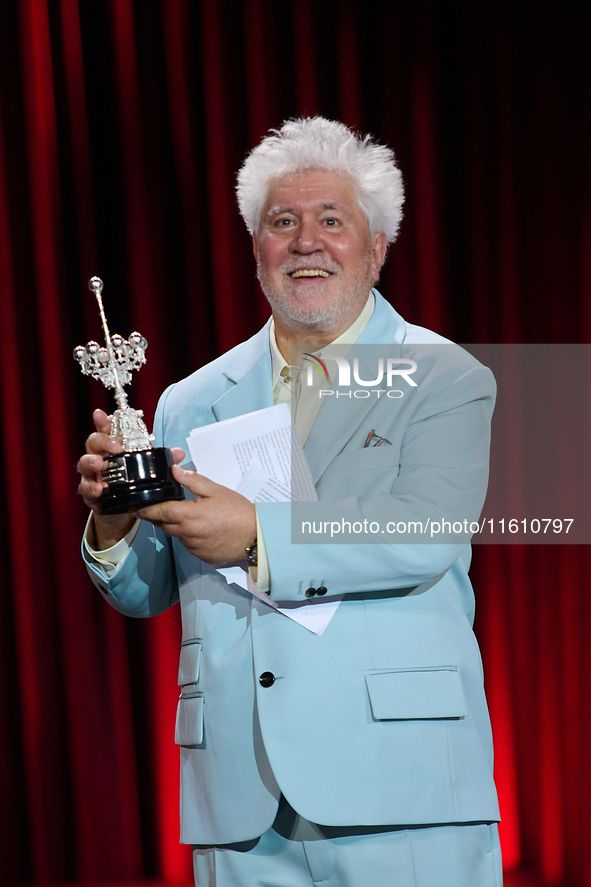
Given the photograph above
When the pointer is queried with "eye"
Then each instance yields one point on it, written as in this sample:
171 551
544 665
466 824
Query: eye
331 222
283 223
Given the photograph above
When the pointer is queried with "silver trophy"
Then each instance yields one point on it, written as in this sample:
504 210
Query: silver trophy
141 474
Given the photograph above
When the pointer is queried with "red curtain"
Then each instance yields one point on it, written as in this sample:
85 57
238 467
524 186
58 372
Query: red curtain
122 125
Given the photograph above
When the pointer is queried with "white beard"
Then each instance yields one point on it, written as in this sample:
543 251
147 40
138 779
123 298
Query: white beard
289 306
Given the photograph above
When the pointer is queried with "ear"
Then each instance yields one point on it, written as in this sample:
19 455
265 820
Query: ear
255 247
378 250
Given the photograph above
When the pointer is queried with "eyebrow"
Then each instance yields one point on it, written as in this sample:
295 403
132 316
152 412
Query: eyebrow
277 210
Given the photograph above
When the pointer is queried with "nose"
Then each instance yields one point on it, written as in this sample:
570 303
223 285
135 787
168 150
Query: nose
306 238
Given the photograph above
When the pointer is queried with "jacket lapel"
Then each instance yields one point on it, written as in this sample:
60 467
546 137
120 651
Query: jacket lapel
340 417
251 376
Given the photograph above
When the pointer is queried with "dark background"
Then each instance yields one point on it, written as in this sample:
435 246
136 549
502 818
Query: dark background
122 126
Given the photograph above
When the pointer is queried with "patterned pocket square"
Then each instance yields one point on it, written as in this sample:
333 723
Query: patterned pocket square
374 440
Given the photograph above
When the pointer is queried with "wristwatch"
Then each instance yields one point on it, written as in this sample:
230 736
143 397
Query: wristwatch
251 555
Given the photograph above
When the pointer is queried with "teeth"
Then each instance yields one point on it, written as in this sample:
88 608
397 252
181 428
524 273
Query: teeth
311 272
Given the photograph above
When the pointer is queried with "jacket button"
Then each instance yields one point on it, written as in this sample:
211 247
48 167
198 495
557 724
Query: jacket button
322 590
310 592
267 679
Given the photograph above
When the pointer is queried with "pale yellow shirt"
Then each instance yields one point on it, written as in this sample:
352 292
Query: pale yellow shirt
304 413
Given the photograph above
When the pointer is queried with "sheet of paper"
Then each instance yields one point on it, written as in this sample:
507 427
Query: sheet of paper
314 616
260 455
257 486
225 451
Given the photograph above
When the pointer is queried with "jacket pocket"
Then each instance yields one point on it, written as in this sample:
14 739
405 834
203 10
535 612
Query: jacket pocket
189 662
383 457
189 720
416 693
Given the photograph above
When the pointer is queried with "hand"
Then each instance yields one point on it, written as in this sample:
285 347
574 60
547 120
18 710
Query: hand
217 527
99 445
108 529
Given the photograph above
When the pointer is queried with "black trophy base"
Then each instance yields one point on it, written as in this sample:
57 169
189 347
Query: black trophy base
140 478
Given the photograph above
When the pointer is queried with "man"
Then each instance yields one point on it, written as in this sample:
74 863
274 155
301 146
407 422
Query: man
362 755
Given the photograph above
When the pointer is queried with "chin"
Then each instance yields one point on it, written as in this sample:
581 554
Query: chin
310 313
322 318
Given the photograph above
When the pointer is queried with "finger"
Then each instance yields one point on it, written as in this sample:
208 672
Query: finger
89 465
178 454
155 523
91 489
91 494
89 468
196 483
102 444
164 513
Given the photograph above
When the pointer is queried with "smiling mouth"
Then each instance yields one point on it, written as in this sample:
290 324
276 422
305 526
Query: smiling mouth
310 272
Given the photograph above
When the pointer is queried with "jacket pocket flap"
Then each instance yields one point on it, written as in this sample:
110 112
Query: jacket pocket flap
370 457
189 721
189 663
401 694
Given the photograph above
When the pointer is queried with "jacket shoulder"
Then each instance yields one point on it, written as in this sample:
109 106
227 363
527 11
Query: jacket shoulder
188 403
420 342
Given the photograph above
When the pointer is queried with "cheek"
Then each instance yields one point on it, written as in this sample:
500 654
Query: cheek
271 256
349 252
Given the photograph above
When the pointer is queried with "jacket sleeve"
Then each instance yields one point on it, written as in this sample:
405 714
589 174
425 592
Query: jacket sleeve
144 583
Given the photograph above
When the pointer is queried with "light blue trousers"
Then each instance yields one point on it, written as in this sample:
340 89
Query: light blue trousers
298 853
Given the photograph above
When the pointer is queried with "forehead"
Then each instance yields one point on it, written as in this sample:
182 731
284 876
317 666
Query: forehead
311 189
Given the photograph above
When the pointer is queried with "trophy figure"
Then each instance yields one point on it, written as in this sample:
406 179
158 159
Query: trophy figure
141 474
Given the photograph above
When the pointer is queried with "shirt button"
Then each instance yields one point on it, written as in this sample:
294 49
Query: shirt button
267 679
322 590
310 592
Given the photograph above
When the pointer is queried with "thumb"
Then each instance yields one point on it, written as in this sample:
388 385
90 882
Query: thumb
195 483
177 454
102 422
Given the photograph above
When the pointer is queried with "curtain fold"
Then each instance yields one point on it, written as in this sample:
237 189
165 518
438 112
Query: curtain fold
122 125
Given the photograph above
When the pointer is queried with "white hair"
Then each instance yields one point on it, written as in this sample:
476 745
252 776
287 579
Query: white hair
316 143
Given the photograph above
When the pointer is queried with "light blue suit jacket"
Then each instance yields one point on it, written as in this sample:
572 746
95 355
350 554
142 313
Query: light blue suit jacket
383 718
